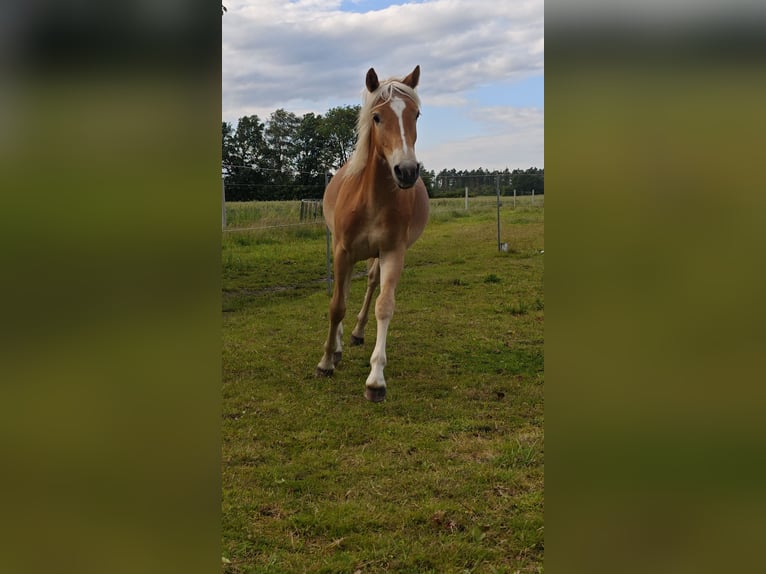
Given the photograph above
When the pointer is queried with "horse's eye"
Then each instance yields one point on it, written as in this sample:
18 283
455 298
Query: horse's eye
417 116
376 118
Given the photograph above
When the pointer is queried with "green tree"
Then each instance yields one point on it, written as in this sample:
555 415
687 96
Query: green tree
242 155
249 142
286 158
428 179
525 180
280 155
227 145
310 146
339 130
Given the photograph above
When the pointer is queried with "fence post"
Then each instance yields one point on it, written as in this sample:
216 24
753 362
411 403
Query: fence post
497 189
223 203
533 196
327 245
466 198
514 198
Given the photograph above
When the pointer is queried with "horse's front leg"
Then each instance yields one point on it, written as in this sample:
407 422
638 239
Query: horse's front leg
333 347
390 271
373 280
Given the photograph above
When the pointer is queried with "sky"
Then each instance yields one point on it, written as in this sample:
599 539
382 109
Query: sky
481 82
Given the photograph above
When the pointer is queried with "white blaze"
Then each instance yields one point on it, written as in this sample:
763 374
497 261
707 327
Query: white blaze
398 105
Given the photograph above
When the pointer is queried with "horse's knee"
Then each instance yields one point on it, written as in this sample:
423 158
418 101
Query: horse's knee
384 307
337 311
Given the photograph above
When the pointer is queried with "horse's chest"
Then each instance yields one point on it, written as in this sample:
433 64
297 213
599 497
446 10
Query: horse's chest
376 232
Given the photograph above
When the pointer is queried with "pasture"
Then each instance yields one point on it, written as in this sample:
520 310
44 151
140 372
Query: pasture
446 475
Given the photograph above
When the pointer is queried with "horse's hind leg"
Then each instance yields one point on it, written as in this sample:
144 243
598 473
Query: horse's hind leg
373 280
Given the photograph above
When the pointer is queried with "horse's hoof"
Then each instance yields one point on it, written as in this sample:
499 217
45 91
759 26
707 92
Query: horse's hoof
356 341
324 372
336 357
375 394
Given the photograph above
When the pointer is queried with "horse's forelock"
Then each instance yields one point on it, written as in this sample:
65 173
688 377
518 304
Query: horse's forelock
385 92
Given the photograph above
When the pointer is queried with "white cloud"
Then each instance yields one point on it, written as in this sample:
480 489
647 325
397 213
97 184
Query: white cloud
513 138
309 55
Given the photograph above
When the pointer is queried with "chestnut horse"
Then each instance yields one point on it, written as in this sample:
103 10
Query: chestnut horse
376 206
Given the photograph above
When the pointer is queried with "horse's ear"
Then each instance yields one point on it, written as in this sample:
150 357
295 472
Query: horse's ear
413 79
372 80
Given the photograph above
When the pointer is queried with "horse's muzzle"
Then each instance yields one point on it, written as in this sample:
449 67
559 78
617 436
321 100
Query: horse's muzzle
407 173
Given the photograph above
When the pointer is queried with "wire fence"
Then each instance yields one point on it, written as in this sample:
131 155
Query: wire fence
243 216
439 207
258 216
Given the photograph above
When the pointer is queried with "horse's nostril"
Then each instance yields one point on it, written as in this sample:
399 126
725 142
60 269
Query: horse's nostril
406 173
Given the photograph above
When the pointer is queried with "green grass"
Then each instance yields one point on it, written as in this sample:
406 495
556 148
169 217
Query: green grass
447 474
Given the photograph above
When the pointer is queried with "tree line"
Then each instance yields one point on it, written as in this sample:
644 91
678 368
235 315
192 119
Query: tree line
286 156
453 183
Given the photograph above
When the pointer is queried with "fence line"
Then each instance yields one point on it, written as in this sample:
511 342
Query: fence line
304 213
319 221
441 184
271 184
272 169
257 228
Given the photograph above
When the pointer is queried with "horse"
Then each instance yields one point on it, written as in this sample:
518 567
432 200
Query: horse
376 207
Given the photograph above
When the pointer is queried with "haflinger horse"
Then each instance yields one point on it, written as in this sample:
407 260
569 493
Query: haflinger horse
376 206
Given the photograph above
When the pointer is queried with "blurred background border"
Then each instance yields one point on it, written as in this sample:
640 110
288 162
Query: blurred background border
110 359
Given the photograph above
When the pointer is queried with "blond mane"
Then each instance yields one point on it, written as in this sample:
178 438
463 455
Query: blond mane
371 100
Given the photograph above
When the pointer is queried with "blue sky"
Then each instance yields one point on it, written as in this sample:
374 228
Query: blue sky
525 92
482 73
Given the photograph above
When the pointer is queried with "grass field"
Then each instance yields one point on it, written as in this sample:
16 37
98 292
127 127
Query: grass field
446 475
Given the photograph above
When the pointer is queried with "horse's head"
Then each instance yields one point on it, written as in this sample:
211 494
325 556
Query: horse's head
393 116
